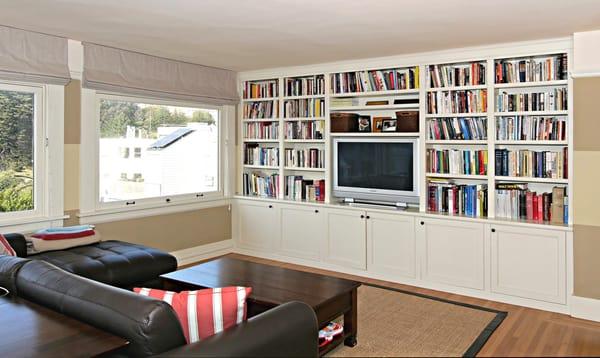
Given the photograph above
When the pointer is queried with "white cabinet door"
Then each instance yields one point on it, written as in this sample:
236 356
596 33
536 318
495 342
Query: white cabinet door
529 263
391 244
346 241
257 225
303 231
452 252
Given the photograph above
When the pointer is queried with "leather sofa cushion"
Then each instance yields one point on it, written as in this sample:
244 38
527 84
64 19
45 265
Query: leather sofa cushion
115 263
9 267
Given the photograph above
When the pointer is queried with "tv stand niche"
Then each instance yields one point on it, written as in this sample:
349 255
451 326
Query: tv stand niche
518 261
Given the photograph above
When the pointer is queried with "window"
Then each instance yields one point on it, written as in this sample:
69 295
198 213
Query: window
176 149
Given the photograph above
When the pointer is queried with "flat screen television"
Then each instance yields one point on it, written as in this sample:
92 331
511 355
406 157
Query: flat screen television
376 169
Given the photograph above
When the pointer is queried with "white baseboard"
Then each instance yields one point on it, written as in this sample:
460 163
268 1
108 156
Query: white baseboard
585 308
203 252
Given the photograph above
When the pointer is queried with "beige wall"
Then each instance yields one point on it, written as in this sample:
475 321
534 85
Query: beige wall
586 190
167 232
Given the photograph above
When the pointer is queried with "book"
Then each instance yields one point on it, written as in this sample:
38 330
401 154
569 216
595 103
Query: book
558 205
531 128
304 108
463 101
261 130
305 86
461 128
544 68
456 75
259 89
375 80
552 100
531 164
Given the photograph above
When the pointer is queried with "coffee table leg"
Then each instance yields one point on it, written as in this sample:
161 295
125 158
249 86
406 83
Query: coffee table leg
351 322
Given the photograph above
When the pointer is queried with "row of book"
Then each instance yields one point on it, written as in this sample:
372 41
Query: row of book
532 164
304 108
457 128
258 184
376 80
453 75
554 100
305 86
531 128
455 161
457 102
305 158
255 155
515 201
443 196
550 68
261 130
261 110
297 188
262 89
304 130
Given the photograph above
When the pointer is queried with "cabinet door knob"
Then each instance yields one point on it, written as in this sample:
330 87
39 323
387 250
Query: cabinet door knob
368 217
422 222
317 211
270 206
493 230
362 216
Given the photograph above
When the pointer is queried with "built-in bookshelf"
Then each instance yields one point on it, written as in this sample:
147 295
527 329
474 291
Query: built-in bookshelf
494 133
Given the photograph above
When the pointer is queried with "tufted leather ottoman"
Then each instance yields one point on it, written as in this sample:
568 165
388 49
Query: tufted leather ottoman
116 263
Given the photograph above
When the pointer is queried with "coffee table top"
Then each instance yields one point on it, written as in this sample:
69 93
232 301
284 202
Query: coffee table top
270 284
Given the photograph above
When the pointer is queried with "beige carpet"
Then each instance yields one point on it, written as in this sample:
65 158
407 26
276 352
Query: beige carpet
392 323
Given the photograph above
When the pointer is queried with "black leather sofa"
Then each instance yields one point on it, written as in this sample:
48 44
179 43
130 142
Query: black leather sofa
115 263
151 326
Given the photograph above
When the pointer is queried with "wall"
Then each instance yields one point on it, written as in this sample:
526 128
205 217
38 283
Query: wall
167 232
586 192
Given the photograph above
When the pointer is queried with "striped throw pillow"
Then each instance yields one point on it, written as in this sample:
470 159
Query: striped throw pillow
5 248
203 313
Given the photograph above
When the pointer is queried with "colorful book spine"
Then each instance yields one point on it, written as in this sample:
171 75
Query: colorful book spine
463 101
458 162
457 128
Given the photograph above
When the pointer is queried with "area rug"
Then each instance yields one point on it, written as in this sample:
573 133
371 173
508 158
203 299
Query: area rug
395 323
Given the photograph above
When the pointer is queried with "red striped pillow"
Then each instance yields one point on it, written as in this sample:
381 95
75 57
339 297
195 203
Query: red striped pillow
5 248
203 313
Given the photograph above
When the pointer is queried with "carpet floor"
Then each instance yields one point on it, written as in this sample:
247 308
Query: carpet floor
395 323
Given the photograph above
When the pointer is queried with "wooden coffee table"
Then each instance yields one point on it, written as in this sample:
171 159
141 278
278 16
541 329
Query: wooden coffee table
330 297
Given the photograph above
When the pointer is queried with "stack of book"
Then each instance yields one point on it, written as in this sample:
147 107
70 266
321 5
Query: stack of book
304 130
304 108
257 184
304 158
261 130
262 89
452 75
261 110
297 188
516 201
532 164
255 155
532 69
376 80
554 100
531 128
457 102
338 102
444 196
457 128
454 161
305 86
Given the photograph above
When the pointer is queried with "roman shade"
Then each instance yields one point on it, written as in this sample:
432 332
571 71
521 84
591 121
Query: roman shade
33 57
115 70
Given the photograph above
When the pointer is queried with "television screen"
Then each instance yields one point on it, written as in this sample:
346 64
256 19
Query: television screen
375 165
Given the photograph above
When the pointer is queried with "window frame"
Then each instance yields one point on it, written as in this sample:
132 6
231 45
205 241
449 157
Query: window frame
92 209
48 159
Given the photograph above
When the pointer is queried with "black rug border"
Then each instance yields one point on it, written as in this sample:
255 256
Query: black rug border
485 334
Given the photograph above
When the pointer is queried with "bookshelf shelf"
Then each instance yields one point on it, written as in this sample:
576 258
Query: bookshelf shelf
304 140
376 134
304 96
300 119
375 93
456 88
372 108
456 142
250 140
304 169
260 120
457 176
265 167
531 84
259 99
532 113
532 142
441 115
532 180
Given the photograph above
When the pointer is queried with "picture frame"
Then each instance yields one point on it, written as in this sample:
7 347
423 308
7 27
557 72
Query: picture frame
377 124
364 123
389 125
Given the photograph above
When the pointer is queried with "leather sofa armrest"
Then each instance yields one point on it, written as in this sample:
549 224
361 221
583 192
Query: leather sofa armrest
18 243
289 330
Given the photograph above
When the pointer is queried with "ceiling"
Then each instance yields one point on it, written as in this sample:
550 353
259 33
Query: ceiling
256 34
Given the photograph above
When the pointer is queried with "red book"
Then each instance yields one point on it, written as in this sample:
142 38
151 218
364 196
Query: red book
540 207
534 208
321 184
529 205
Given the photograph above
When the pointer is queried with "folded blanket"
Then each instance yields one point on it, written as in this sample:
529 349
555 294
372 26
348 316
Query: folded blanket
63 236
35 245
66 229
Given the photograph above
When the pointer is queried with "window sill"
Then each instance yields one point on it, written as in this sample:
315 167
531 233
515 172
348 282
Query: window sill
119 214
25 225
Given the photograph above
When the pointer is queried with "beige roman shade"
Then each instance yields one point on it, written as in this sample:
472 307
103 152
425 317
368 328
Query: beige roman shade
33 57
115 70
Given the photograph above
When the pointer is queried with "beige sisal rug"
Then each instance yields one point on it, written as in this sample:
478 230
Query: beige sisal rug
397 323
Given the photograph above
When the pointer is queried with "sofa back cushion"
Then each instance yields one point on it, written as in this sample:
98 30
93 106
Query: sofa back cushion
203 313
150 326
